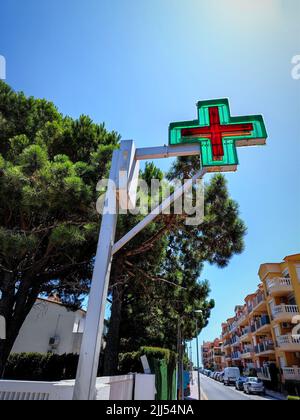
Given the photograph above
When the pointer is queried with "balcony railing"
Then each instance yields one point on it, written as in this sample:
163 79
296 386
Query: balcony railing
235 341
262 322
258 300
279 284
248 352
291 374
245 333
249 308
292 341
233 327
248 349
285 312
242 318
236 356
265 347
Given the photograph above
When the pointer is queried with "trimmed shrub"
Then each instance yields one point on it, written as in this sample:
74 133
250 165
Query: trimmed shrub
41 367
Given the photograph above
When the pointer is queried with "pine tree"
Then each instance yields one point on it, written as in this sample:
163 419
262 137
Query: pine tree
49 168
162 287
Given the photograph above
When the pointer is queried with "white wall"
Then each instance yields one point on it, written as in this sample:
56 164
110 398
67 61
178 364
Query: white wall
46 320
116 388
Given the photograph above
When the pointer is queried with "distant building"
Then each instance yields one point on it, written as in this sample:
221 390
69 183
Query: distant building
50 327
212 355
262 337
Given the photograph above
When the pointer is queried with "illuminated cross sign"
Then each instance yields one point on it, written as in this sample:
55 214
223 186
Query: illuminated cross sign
218 134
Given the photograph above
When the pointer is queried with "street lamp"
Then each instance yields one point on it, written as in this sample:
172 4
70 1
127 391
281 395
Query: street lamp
198 362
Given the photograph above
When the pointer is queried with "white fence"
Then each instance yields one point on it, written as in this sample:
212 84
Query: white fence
116 388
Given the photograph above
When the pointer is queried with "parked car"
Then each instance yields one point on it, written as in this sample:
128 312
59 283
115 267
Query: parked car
231 375
239 385
254 386
221 377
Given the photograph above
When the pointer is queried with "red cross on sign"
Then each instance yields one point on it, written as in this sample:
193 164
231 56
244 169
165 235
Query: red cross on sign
216 132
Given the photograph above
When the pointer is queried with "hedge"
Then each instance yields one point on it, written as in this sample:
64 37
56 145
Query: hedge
53 368
41 367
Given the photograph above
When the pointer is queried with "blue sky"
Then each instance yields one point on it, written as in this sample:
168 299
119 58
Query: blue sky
139 65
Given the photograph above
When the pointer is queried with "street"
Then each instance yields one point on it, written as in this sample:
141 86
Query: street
214 391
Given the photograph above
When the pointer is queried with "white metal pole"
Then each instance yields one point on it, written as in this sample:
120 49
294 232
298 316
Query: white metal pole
85 385
159 210
198 361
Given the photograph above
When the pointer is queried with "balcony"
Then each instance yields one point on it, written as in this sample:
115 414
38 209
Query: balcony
285 313
259 304
265 348
279 286
261 326
246 335
289 343
291 374
248 352
243 320
235 341
233 327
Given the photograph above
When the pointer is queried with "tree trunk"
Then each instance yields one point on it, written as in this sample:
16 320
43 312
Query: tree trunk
111 354
15 305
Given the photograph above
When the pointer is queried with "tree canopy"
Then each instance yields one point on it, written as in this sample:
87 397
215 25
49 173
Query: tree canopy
49 168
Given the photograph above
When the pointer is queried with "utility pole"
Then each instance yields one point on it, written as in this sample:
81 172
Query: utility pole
198 361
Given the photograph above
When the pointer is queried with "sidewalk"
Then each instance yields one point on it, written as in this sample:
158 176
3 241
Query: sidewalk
276 395
194 389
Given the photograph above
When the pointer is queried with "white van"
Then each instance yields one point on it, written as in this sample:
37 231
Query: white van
231 375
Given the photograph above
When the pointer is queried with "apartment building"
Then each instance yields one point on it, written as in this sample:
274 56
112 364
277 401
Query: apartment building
262 337
212 355
281 284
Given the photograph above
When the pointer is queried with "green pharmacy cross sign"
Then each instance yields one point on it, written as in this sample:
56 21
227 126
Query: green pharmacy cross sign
218 134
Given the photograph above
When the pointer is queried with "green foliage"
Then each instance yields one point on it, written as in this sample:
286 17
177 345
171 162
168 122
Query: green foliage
49 168
41 367
131 361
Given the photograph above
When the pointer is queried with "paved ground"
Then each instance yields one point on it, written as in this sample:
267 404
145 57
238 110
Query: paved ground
214 391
